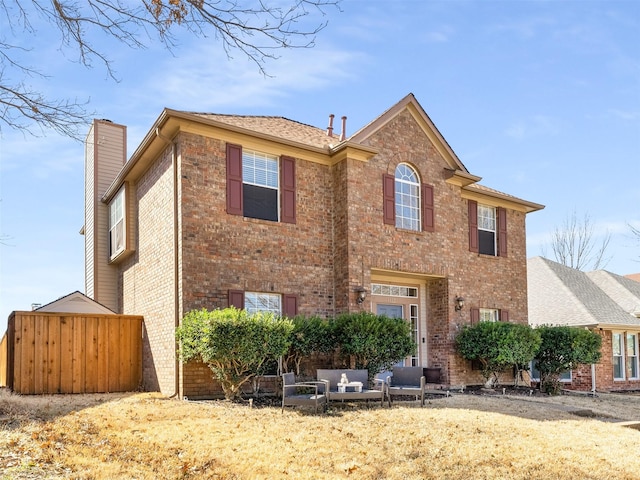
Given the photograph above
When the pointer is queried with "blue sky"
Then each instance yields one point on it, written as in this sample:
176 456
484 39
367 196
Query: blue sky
540 98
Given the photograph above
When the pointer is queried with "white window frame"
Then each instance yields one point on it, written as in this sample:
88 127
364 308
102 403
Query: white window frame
618 353
488 222
117 224
261 169
631 344
414 319
408 201
263 302
489 315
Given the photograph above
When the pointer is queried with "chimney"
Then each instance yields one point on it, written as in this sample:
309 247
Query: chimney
343 134
330 127
105 155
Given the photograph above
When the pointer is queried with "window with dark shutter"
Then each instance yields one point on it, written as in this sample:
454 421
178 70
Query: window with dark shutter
234 179
428 212
473 226
475 315
502 232
504 315
288 190
236 298
389 199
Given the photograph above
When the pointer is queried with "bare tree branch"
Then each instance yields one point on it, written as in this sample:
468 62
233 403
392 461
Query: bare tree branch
573 244
256 30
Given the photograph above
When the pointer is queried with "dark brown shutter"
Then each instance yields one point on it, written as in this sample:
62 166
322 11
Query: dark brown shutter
502 232
473 226
288 190
504 315
428 212
475 315
234 179
389 199
236 299
289 305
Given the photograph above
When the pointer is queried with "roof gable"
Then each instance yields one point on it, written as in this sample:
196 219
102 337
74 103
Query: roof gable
413 106
75 302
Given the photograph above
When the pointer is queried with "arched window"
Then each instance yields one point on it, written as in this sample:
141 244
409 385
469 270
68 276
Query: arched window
407 189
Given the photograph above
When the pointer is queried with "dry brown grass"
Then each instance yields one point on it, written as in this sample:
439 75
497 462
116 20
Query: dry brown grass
147 436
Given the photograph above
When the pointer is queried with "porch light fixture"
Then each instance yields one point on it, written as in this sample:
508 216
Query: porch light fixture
459 304
361 294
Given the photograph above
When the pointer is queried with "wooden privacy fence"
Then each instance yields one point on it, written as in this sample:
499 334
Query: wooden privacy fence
72 353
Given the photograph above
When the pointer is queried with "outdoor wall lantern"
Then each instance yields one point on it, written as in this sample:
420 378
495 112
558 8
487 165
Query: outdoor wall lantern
361 294
459 304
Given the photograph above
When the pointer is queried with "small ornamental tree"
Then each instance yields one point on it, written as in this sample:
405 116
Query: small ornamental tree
233 343
310 335
498 346
562 349
376 342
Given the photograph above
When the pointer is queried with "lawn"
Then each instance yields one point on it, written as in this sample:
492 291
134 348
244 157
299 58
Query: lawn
148 436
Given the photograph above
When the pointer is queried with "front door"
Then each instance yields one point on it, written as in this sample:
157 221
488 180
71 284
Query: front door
410 313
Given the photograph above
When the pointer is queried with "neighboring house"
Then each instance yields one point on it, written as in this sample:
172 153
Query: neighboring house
601 301
75 302
268 213
634 276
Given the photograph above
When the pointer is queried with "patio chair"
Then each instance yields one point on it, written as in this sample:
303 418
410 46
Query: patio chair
406 381
302 393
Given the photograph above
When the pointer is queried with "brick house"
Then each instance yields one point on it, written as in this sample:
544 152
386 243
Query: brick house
268 213
605 303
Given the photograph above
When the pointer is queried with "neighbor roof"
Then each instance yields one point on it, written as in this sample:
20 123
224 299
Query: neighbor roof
560 295
75 302
624 291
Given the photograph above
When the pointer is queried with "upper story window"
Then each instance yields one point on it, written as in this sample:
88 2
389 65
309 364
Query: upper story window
260 185
117 224
407 203
487 229
407 187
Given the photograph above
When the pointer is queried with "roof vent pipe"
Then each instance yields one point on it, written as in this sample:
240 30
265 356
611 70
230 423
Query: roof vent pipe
330 127
343 134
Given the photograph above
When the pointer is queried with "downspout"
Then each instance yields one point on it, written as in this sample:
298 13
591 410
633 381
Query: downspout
593 379
176 273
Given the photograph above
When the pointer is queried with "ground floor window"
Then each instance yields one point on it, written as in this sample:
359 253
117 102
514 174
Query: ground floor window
618 358
262 302
535 373
632 355
489 315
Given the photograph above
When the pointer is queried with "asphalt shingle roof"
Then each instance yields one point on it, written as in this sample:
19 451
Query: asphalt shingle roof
279 127
560 295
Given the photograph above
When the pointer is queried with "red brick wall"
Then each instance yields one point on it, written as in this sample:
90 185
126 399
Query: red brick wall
338 240
147 277
581 377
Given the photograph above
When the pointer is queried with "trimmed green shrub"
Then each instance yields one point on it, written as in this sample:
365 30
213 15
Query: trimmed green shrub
498 346
233 343
310 335
376 342
562 349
